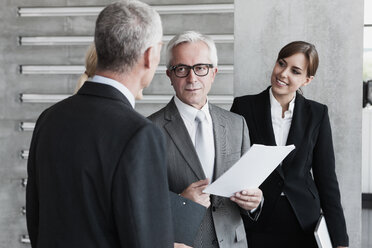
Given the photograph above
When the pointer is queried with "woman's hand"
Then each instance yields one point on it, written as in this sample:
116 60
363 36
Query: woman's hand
178 245
248 199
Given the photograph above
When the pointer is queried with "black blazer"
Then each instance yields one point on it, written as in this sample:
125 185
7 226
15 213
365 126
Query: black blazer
97 175
310 132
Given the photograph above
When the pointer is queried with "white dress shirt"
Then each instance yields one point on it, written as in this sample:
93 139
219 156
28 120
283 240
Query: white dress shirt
281 126
119 86
188 114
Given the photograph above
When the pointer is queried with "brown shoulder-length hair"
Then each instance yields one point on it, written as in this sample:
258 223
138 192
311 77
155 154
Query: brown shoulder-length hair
306 49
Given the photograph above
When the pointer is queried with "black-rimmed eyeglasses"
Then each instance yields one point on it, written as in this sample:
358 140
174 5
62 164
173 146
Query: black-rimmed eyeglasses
182 71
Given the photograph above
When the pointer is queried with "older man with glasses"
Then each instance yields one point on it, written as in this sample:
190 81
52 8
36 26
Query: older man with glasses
203 141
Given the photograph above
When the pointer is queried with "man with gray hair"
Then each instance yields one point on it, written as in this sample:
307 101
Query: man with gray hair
203 141
97 169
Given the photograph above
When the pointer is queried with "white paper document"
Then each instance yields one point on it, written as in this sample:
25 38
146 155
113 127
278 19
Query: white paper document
321 234
250 171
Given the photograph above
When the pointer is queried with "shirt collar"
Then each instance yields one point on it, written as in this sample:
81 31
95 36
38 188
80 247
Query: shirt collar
119 86
189 112
276 105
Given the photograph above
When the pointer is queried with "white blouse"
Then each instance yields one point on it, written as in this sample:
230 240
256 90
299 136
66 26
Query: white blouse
281 125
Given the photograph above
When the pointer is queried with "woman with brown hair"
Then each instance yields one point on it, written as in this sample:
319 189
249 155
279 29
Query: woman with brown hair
304 185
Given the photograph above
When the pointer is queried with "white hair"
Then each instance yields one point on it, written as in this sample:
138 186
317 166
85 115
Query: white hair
189 37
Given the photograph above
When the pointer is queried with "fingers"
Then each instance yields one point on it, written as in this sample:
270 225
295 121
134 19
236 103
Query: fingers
194 192
245 204
252 192
244 196
248 199
201 183
200 198
205 201
178 245
199 186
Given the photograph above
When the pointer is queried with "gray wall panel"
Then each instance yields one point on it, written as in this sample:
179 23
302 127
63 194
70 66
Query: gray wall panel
74 55
62 84
27 26
47 83
105 2
210 24
84 25
45 55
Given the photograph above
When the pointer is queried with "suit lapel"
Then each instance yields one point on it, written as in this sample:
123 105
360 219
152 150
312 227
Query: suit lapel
177 131
264 122
298 126
219 133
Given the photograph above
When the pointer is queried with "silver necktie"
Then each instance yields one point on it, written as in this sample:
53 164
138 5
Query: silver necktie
201 144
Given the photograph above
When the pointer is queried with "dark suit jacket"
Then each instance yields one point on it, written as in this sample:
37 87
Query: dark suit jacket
231 142
310 132
97 175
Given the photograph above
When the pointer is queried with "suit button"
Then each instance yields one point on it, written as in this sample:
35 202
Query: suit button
215 242
280 183
214 209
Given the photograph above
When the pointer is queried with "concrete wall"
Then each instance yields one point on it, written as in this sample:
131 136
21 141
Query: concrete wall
336 28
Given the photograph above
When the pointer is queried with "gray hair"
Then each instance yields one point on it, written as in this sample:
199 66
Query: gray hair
124 30
189 37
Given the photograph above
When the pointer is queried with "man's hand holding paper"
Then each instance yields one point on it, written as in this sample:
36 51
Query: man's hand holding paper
195 193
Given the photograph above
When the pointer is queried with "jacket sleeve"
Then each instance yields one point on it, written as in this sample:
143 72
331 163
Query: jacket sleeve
235 106
32 198
326 181
246 144
32 195
140 192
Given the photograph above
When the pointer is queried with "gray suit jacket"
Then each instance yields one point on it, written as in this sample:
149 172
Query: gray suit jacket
231 142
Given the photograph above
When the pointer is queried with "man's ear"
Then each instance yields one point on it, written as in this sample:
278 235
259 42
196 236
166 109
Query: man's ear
169 73
214 71
147 57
